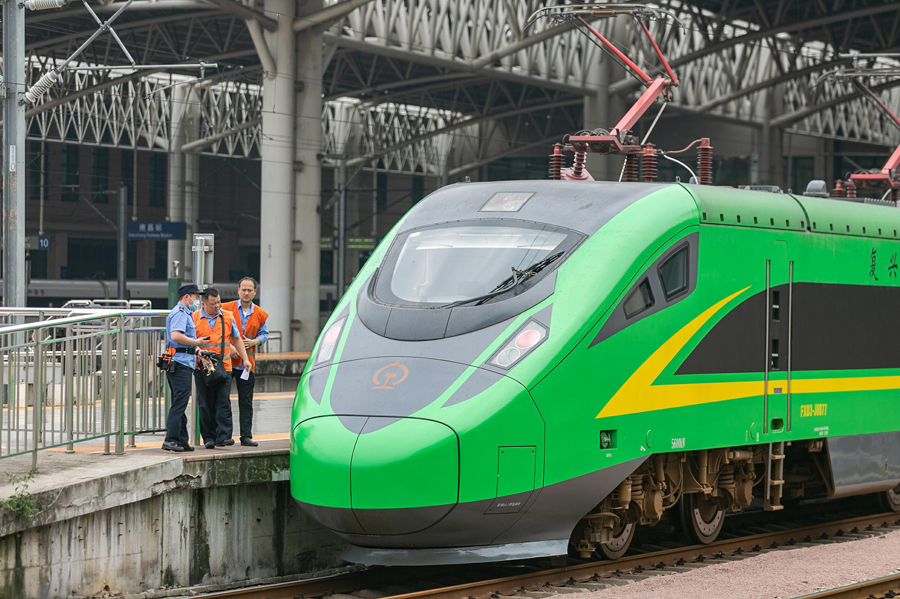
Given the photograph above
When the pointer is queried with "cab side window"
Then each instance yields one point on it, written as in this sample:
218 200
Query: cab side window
639 300
668 280
673 274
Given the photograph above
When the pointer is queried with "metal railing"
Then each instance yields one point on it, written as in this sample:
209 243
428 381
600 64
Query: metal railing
72 376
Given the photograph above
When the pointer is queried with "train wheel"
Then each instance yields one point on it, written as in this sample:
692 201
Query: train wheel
890 500
619 544
701 518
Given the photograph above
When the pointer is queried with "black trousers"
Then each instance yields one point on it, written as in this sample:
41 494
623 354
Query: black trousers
245 402
179 378
215 409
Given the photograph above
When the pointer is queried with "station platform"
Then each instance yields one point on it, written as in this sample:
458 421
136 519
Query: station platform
147 521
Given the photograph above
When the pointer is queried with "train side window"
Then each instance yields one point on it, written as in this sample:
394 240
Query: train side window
639 300
673 274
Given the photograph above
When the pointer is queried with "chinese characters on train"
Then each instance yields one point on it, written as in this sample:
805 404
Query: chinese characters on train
873 265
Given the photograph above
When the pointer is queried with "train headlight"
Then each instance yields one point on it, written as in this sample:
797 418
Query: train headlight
329 342
520 345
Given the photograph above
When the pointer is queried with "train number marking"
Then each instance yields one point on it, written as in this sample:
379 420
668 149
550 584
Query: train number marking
809 409
678 443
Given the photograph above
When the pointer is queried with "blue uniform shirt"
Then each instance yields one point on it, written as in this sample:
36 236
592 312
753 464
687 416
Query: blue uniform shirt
262 334
180 319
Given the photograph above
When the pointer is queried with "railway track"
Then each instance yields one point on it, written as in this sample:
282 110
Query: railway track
532 580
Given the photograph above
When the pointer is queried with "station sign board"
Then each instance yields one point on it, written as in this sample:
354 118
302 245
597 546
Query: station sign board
158 231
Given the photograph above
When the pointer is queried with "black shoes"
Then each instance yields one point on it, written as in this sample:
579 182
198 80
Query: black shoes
187 446
248 442
172 446
225 443
210 445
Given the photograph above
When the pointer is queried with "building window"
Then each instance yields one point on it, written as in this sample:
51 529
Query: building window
158 179
70 184
326 267
160 256
802 172
418 188
381 192
38 259
127 172
36 166
100 175
131 252
91 258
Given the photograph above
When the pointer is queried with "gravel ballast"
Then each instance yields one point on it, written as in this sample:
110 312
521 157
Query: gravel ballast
775 574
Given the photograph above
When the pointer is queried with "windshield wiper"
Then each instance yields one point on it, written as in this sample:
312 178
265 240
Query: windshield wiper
518 276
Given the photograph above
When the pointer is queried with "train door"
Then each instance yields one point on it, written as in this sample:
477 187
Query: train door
777 392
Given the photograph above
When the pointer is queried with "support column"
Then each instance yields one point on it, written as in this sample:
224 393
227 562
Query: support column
308 184
175 211
277 189
13 155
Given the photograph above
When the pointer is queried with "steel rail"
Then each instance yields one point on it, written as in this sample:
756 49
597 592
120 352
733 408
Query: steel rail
653 562
860 590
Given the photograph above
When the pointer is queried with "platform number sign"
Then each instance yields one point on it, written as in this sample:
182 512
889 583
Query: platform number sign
37 243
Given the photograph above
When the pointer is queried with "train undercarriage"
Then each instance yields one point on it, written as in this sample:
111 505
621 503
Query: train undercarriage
696 489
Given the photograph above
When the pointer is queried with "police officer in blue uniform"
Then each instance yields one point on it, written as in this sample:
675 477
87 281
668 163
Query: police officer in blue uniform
181 335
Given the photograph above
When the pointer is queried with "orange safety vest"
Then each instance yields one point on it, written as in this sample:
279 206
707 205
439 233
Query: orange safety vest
256 319
215 334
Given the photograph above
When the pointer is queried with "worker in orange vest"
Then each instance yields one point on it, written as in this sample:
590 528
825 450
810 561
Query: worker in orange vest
251 320
215 406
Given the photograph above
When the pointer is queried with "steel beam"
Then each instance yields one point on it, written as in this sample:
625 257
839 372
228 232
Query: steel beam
343 41
201 144
328 15
245 12
462 123
627 84
522 45
789 119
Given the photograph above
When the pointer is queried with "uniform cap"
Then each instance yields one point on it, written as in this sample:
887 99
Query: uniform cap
188 288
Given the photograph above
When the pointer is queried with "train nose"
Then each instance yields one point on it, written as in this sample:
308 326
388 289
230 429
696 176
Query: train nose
405 477
384 479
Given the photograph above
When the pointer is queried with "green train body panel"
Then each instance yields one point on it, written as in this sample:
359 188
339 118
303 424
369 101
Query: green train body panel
688 374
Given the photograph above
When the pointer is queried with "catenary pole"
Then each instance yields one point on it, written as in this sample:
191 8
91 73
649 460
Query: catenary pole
13 154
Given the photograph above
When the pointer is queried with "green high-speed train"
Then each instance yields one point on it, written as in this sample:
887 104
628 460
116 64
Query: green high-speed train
536 368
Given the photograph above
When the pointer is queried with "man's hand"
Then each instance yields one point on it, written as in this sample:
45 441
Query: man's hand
248 343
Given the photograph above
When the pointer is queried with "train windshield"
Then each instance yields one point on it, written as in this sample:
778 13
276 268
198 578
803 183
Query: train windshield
448 264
